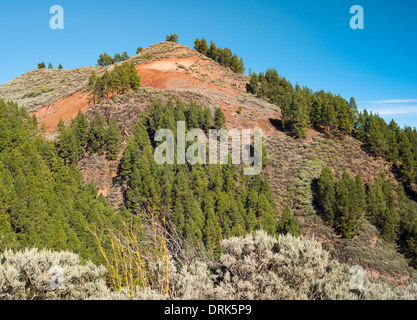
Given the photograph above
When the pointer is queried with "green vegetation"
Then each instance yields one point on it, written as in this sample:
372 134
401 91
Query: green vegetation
105 60
207 203
172 38
37 92
81 137
223 56
121 79
303 108
44 203
399 146
344 203
254 267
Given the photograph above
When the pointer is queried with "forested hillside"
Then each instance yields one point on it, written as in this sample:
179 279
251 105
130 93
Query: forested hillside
44 203
345 178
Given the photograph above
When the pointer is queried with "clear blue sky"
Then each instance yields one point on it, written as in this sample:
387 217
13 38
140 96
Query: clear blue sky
309 42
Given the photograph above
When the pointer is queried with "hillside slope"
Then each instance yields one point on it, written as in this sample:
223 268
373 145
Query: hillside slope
173 71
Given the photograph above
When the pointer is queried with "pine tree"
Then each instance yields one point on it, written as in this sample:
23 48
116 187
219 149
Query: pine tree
327 194
125 56
288 224
172 38
219 119
254 83
97 134
113 139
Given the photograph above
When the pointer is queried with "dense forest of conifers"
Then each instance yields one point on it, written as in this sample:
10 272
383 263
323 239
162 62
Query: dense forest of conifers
43 201
45 204
207 203
303 109
223 56
345 203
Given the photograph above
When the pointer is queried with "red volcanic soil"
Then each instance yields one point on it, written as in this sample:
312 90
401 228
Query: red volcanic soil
65 109
167 74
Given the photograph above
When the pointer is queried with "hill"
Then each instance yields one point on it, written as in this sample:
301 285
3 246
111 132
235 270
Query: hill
170 71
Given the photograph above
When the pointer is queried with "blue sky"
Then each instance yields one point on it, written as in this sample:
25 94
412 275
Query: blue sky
309 42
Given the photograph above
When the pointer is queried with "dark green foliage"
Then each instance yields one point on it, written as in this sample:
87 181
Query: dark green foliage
113 139
344 203
60 67
347 212
44 203
125 56
105 60
206 203
288 224
50 66
172 38
41 65
81 137
219 119
326 194
391 142
139 50
223 56
302 108
121 79
96 136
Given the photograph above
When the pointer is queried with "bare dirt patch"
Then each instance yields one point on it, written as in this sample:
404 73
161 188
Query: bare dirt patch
65 109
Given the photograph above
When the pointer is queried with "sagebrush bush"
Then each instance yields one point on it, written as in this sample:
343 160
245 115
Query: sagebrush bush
47 275
260 266
257 266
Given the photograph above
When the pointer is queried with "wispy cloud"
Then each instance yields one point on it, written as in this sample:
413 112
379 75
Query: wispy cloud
394 101
392 107
397 110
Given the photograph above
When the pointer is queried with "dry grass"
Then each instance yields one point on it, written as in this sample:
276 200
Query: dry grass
137 255
26 89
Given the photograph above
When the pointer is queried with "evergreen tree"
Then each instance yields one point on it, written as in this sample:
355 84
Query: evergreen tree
288 224
327 194
219 119
113 139
96 137
172 38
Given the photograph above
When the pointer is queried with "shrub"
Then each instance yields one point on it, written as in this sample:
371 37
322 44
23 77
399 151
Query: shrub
260 266
48 275
37 92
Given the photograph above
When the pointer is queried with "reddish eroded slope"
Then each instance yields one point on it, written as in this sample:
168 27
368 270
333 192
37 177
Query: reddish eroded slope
171 66
174 73
65 109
